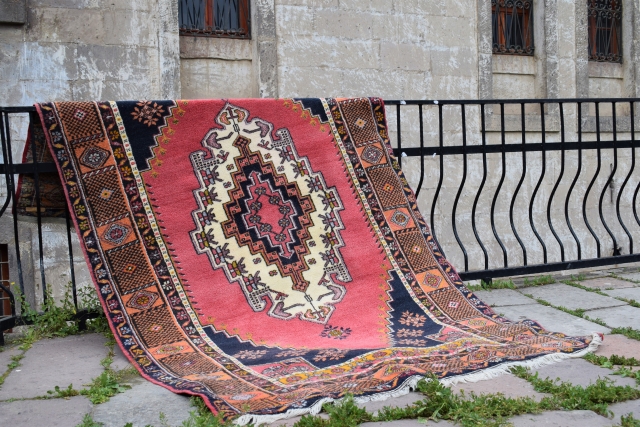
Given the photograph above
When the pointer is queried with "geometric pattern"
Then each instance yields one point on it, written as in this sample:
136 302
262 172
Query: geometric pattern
322 277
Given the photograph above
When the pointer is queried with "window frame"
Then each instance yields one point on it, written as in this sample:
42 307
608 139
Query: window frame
208 9
504 9
599 53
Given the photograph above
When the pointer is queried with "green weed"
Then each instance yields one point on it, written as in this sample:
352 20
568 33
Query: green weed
64 393
494 284
628 332
105 386
539 281
629 421
88 421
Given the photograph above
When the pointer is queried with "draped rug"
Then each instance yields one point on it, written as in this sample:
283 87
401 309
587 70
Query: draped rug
269 256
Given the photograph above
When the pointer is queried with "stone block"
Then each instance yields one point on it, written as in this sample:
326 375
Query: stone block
503 85
142 405
393 402
453 62
6 354
213 78
386 84
561 419
315 4
634 277
618 317
76 360
129 28
309 81
70 4
503 297
98 63
120 361
66 25
625 408
367 5
509 385
329 22
39 62
192 47
410 423
412 28
329 52
404 56
620 346
452 87
552 319
512 64
54 412
628 293
580 372
567 296
603 283
606 70
13 11
420 7
296 20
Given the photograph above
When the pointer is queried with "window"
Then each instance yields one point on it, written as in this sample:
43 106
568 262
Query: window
215 18
512 26
605 30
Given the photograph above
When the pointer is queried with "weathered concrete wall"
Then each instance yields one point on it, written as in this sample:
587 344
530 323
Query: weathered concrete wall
81 50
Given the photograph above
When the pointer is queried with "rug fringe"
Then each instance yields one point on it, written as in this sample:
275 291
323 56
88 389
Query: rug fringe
411 383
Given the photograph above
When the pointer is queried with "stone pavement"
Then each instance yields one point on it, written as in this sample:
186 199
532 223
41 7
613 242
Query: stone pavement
76 360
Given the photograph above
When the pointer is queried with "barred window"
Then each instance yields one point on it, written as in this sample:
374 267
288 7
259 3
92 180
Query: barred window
605 30
512 25
215 18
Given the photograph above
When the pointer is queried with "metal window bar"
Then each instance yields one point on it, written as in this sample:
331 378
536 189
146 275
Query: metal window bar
215 18
605 30
512 27
510 193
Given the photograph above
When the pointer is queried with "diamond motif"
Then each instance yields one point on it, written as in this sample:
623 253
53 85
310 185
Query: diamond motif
79 114
400 218
142 300
372 154
116 234
129 268
94 157
105 194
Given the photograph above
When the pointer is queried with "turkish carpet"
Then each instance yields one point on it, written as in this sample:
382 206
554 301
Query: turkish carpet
269 256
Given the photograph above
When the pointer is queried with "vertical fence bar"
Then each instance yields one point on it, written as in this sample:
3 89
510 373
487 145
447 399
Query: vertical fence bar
626 179
535 191
462 182
555 187
484 178
435 196
517 190
74 289
495 195
12 193
633 157
421 151
573 183
608 183
36 184
593 180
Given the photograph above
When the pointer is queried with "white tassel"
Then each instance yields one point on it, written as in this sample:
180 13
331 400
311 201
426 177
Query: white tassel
410 384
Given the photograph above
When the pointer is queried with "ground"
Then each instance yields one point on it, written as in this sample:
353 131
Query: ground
42 385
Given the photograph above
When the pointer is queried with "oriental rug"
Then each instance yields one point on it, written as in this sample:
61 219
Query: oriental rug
269 256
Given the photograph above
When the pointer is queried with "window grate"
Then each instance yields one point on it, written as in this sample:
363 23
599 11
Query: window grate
215 18
512 27
605 30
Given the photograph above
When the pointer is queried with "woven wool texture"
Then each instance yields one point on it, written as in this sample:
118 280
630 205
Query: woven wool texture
268 255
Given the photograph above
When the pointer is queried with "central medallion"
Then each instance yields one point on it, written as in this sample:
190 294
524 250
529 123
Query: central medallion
267 219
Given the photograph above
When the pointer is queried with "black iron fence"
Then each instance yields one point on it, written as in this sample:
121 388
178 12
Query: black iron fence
509 187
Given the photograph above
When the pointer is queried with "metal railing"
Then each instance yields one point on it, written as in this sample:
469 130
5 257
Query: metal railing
507 186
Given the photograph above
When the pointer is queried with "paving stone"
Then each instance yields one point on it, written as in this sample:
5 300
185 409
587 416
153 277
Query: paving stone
580 372
56 362
607 282
5 357
552 319
618 317
619 345
631 276
120 361
289 422
509 385
628 293
562 419
411 423
142 405
395 402
50 413
503 297
572 298
625 408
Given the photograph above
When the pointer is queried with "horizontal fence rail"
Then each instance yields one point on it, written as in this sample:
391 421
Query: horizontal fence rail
508 187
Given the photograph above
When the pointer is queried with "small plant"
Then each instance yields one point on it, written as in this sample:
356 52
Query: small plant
105 386
629 421
627 332
88 421
64 393
539 281
494 284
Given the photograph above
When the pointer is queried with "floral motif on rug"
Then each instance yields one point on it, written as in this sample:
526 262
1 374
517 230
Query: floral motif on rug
268 255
